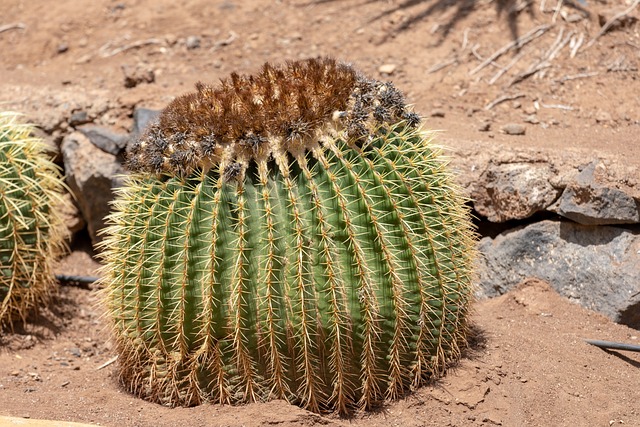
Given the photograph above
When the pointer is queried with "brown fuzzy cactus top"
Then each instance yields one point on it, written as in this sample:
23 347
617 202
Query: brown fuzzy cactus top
280 110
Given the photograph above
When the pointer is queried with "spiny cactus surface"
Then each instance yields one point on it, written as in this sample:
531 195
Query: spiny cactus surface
31 230
290 235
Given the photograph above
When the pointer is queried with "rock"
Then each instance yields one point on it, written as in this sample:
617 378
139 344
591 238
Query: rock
79 118
484 127
437 113
532 118
590 200
506 191
513 129
598 267
387 69
133 76
142 117
105 139
71 215
603 116
193 42
92 174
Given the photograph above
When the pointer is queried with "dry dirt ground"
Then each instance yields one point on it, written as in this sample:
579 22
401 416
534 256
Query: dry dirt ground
571 79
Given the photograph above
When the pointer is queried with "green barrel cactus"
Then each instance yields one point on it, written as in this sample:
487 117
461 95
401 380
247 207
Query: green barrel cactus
292 234
32 236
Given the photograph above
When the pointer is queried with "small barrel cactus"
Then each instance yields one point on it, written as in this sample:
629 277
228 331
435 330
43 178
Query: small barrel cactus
32 235
292 234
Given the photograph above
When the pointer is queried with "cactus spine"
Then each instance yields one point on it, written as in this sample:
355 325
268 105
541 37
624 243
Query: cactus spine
31 230
324 259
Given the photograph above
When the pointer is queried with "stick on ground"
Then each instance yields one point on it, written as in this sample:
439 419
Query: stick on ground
519 42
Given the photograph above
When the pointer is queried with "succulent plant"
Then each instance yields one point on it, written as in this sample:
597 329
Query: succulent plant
293 234
32 235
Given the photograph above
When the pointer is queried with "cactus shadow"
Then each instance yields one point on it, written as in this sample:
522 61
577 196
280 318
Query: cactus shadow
509 9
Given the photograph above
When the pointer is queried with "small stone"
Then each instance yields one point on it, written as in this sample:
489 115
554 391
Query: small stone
193 42
79 118
603 116
437 113
573 18
513 129
75 351
485 127
62 48
532 119
387 68
133 76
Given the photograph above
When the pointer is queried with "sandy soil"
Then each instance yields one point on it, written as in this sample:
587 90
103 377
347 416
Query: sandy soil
528 363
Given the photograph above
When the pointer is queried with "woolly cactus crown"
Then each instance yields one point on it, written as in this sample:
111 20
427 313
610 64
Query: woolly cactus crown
278 111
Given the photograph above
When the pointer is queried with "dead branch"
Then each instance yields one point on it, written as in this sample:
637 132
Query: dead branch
519 42
575 45
132 45
506 68
441 65
557 106
611 21
557 11
465 39
530 72
18 26
577 76
107 363
502 99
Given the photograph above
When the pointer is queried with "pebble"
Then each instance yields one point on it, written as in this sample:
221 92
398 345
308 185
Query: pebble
63 47
532 119
387 68
437 113
513 129
79 118
485 127
603 116
193 42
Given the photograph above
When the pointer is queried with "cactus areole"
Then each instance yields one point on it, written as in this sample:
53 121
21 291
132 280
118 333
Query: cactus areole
288 235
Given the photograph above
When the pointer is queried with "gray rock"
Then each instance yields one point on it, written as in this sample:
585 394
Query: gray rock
590 200
92 174
506 191
513 129
598 267
142 117
105 139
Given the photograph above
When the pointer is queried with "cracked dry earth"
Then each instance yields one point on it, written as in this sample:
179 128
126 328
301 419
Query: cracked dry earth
528 363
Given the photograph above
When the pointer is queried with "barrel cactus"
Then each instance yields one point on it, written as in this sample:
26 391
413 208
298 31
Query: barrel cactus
292 234
32 235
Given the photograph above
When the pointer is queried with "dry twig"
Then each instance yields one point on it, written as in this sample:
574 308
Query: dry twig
519 42
18 26
506 68
107 363
441 65
576 76
611 21
132 45
530 72
502 99
575 44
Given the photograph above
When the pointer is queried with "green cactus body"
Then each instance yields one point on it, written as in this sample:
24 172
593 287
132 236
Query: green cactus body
334 276
31 232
